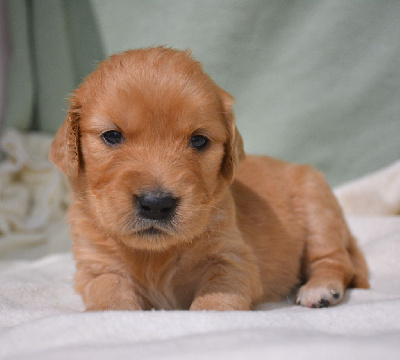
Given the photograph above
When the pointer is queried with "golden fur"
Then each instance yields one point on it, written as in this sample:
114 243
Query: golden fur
242 230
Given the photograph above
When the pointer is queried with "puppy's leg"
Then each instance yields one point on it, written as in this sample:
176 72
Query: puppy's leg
231 283
327 263
109 292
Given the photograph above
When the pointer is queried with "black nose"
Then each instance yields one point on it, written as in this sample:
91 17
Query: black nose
156 206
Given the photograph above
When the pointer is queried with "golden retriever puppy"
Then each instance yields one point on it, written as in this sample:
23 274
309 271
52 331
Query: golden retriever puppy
168 213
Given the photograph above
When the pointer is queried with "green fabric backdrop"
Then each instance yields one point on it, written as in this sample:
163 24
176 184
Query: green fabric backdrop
315 81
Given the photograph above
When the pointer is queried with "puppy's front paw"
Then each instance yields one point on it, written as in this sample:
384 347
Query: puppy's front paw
318 296
220 302
117 305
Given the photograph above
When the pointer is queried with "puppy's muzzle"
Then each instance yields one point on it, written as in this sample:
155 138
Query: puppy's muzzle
156 206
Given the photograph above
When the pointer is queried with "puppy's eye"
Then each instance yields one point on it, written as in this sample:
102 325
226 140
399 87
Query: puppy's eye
112 137
198 142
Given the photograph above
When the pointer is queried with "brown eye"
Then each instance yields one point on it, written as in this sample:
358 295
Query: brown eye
112 137
198 142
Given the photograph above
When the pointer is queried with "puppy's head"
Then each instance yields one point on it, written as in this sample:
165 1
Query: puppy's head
149 146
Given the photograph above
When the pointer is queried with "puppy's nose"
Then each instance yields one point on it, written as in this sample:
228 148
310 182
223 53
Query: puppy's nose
158 206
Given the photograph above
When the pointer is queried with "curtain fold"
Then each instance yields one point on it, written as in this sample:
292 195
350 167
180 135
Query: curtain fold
55 44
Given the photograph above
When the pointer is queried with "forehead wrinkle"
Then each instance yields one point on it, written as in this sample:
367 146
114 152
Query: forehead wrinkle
154 122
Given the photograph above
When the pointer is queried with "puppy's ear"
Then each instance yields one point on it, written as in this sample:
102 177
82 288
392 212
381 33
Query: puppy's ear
65 148
234 151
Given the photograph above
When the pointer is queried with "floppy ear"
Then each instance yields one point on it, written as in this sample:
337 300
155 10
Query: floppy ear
65 148
234 151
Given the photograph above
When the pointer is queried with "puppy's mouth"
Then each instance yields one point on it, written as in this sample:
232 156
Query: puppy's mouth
150 231
149 228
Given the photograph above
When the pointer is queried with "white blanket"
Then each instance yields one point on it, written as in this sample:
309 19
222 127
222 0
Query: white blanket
41 317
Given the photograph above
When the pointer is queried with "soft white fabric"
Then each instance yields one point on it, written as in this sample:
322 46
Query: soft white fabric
41 316
33 198
375 194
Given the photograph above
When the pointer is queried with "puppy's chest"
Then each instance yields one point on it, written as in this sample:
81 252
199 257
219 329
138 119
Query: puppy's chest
164 284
